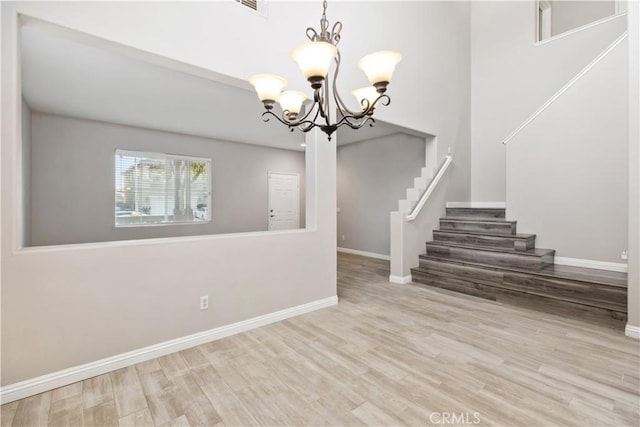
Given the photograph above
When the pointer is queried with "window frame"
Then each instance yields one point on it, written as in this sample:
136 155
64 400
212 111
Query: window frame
165 156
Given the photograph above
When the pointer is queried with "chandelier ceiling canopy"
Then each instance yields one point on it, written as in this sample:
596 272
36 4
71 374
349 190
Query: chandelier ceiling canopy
314 59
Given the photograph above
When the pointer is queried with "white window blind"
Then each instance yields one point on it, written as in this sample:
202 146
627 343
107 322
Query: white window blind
158 188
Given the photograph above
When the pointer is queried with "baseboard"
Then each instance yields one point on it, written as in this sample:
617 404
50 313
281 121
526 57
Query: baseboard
632 331
587 263
68 376
477 205
401 280
363 253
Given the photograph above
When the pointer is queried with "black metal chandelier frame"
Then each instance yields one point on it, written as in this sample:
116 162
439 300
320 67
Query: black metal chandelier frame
319 114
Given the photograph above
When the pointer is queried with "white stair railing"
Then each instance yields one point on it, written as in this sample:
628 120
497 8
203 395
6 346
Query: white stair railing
432 186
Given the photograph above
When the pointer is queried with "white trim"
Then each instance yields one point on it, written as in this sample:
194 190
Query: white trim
478 205
587 263
154 241
432 186
363 253
582 28
401 280
632 331
12 392
565 88
543 27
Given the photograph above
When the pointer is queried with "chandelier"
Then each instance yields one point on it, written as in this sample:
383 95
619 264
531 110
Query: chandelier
314 59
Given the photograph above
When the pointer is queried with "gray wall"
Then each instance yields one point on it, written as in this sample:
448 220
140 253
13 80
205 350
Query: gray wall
371 177
26 173
567 15
73 180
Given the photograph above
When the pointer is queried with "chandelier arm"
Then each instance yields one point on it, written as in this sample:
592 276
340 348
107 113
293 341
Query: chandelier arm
266 118
310 125
300 119
312 34
319 101
291 123
357 125
335 33
339 103
348 120
327 103
368 109
300 125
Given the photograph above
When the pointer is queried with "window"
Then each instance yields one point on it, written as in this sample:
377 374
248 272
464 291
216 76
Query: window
158 188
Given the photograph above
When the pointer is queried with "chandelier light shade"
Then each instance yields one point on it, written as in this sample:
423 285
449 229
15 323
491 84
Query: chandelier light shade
379 66
268 87
314 59
291 102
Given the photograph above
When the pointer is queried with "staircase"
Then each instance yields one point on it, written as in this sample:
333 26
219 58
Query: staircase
478 252
420 184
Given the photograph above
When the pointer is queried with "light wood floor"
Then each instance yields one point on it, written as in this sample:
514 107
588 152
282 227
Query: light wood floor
386 355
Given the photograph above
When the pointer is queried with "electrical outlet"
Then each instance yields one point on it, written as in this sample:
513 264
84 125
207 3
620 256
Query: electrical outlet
624 255
204 302
343 239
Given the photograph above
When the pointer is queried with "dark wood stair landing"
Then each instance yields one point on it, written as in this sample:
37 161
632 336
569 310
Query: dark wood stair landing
478 252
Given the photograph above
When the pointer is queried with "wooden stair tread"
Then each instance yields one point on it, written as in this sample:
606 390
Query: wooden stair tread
621 308
487 234
535 252
581 274
476 219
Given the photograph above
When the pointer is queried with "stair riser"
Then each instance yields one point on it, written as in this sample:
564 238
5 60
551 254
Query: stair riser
506 242
568 288
506 228
538 302
476 212
452 285
508 259
592 293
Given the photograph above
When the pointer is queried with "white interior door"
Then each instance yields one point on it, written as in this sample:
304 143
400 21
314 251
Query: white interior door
284 205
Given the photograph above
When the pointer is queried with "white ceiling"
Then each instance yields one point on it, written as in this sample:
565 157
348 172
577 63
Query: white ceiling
71 76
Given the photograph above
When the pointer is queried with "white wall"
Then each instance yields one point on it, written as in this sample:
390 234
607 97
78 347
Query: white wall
76 204
430 88
511 77
567 15
55 301
372 176
567 170
633 288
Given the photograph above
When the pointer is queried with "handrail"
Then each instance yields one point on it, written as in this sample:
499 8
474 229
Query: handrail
565 87
432 186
